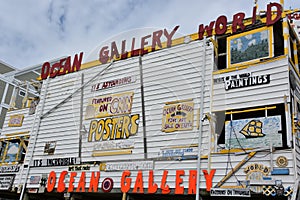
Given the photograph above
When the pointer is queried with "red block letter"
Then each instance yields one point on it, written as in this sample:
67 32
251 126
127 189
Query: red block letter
94 182
51 181
238 21
179 189
71 186
139 184
192 182
61 185
125 187
207 29
271 21
164 188
81 183
208 178
152 188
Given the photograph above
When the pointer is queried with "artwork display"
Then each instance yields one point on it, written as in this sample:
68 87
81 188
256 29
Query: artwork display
249 46
253 132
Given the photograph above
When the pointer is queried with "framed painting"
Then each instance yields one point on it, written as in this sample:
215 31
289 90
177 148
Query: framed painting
249 47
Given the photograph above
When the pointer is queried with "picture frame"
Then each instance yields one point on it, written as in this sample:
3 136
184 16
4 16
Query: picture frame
15 120
249 47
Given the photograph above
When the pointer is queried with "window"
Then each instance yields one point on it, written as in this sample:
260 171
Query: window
252 128
224 50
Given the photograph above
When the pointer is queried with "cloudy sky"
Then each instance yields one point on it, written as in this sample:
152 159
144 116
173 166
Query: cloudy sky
35 31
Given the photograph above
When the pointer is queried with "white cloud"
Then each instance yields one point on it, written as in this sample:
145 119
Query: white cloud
34 31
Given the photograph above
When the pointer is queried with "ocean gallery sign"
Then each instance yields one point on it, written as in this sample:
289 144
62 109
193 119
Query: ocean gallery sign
128 182
62 67
152 42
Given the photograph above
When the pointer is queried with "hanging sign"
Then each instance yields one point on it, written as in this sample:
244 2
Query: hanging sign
226 192
6 182
121 166
178 117
9 168
55 162
232 83
15 120
114 83
62 67
109 105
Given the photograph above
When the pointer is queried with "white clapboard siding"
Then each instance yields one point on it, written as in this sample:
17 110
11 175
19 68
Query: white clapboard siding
117 70
175 77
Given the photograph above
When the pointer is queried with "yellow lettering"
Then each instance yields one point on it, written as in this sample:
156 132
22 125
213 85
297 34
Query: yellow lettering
125 126
134 124
93 127
100 128
107 127
113 128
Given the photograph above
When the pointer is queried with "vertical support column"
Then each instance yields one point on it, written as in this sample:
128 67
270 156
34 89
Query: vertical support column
201 117
143 107
285 29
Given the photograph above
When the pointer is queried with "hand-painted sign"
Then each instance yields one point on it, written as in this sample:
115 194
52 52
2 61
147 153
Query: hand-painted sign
9 168
256 172
15 120
178 117
114 83
127 181
62 67
113 145
110 105
79 168
130 165
175 152
113 128
226 192
6 182
154 40
55 162
231 83
253 132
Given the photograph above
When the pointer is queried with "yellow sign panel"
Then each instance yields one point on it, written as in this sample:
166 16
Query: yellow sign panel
15 120
178 117
109 105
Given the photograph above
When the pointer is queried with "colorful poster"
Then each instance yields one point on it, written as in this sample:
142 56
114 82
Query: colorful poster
178 117
254 132
109 105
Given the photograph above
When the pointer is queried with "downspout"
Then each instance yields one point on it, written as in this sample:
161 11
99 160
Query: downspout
35 138
201 117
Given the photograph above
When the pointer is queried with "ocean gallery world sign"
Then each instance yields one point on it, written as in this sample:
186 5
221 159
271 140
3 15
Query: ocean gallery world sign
152 42
155 41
